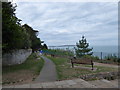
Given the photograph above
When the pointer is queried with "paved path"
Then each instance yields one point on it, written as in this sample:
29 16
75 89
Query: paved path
48 72
74 83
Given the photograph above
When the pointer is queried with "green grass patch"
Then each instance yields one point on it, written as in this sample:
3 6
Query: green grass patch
32 63
65 71
107 61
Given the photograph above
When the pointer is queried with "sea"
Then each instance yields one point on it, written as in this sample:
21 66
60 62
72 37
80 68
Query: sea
100 51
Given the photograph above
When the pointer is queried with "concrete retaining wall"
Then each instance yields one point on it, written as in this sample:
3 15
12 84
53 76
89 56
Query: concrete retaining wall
16 57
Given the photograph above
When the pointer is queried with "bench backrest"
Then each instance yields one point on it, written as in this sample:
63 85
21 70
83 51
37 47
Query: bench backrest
82 61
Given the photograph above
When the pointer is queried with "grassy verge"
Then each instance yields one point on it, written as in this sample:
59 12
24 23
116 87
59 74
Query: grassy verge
65 71
108 62
30 64
30 69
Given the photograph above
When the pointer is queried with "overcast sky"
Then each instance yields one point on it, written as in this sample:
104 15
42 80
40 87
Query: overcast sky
64 23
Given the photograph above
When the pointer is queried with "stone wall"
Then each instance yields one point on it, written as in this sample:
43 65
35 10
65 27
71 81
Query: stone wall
16 57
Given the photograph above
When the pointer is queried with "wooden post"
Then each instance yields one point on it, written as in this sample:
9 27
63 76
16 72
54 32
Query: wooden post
92 64
72 64
101 55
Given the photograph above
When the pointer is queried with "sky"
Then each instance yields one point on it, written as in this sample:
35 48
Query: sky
64 23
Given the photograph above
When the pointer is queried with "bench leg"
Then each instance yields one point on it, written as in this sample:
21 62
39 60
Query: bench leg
92 66
72 65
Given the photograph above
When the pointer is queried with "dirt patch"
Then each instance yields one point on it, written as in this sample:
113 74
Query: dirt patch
106 65
19 77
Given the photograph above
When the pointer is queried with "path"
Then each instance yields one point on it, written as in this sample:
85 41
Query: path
47 79
74 83
48 72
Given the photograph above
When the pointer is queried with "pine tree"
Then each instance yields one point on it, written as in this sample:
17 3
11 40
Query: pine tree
82 48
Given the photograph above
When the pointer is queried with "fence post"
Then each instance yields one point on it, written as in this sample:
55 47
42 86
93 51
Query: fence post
101 55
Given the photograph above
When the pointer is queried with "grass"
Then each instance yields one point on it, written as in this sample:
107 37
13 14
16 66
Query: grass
30 64
65 71
59 52
23 73
107 61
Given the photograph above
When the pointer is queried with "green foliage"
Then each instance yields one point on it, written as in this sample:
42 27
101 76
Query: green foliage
45 46
82 48
35 42
91 57
65 71
113 58
9 25
14 35
30 64
118 60
26 39
59 52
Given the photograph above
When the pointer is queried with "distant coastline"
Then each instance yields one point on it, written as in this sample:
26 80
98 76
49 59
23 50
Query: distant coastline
106 50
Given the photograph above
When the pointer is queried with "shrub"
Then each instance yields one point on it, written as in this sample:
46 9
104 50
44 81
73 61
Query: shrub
91 57
111 57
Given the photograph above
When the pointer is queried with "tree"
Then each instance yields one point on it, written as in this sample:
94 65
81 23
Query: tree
82 48
45 46
35 42
13 35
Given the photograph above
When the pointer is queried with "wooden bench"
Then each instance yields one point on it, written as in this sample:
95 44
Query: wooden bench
81 61
52 55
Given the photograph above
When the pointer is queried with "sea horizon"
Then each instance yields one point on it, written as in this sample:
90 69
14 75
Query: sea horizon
97 50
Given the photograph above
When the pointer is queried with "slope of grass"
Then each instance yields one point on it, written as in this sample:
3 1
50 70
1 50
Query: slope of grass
22 73
65 71
32 63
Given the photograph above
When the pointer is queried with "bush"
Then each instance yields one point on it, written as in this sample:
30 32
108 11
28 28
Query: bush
59 52
91 57
113 58
15 35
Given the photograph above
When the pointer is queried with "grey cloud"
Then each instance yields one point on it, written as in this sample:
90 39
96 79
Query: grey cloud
65 23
